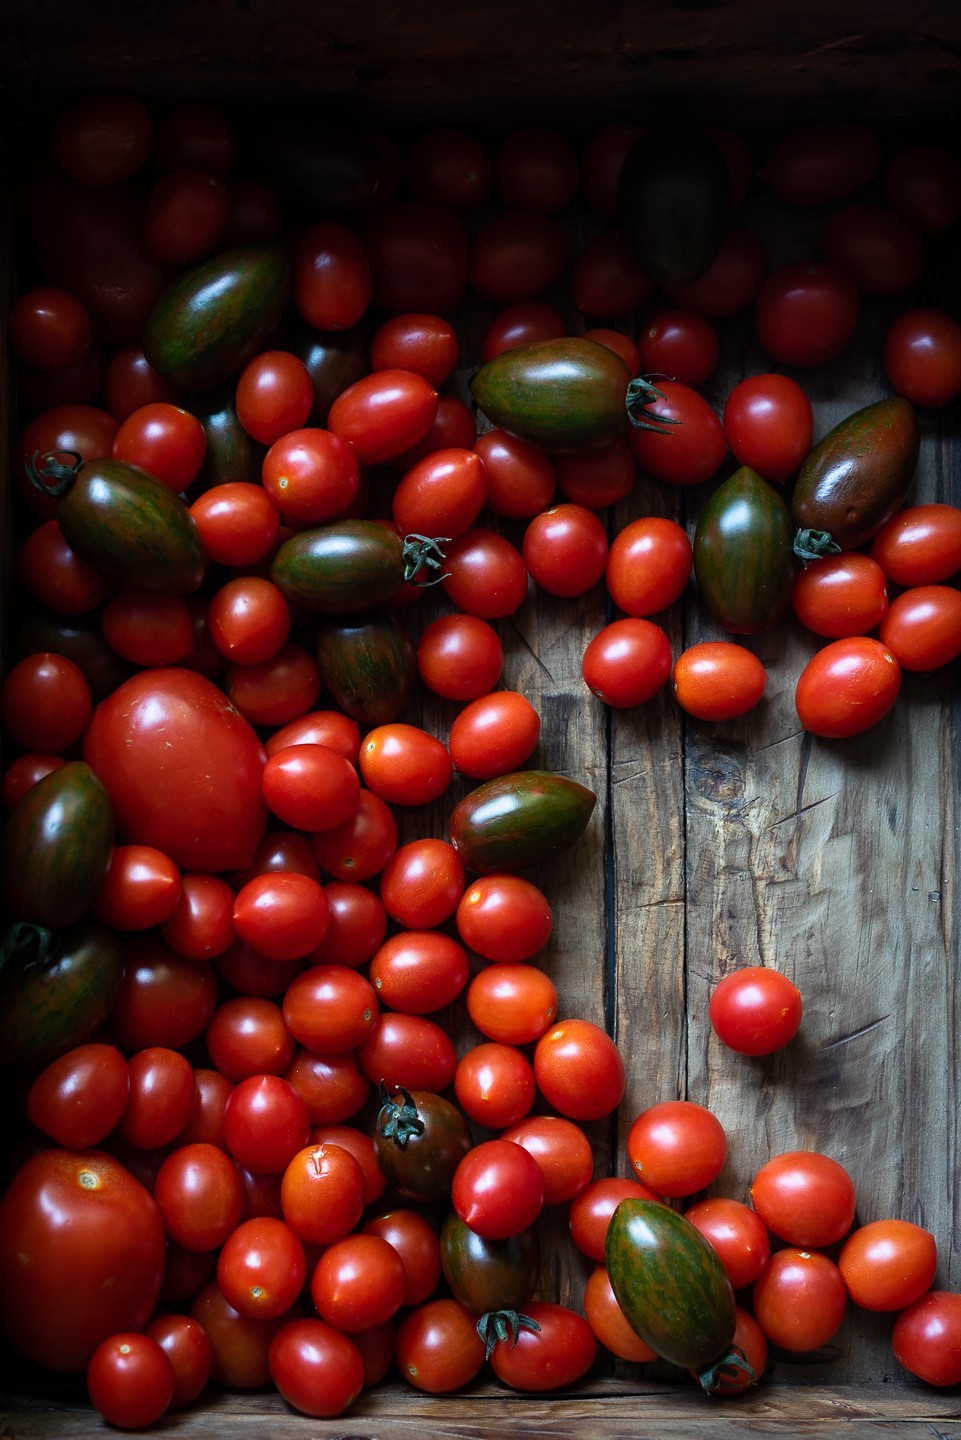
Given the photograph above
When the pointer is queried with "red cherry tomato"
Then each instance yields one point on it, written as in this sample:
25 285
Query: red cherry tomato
879 250
926 1338
806 313
494 735
332 283
383 414
686 445
676 1147
459 657
755 1010
498 1189
847 687
922 627
805 1198
504 917
922 357
799 1299
840 595
920 545
680 343
49 328
627 662
130 1380
737 1234
718 680
565 550
769 425
888 1264
649 565
822 162
579 1070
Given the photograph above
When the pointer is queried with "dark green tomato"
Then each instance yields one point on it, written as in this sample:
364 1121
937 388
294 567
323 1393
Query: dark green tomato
743 556
55 988
216 316
368 667
231 453
348 566
56 847
334 360
564 395
670 1283
674 203
419 1140
125 523
856 478
520 819
81 639
488 1275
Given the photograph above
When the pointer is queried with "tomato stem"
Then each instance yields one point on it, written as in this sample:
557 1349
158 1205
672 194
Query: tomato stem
49 474
814 544
41 945
502 1325
398 1122
640 393
423 552
730 1365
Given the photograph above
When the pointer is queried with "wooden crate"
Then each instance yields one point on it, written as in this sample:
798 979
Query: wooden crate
711 846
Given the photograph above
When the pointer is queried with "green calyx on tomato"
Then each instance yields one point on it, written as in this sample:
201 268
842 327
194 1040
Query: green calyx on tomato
640 393
502 1325
398 1122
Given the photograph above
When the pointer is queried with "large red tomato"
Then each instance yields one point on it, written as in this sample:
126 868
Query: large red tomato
182 767
81 1256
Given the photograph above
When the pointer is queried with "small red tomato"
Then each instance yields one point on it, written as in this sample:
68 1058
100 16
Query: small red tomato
494 735
847 687
755 1010
718 680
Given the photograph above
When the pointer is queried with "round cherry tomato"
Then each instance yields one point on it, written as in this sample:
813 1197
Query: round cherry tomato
920 545
81 1256
517 255
617 341
680 343
311 475
161 1098
755 1010
266 1123
799 1299
922 627
247 1036
805 1198
238 522
558 1352
485 574
597 478
677 1147
311 787
275 691
330 1008
422 883
78 1098
737 1234
840 595
358 924
274 394
536 166
512 1003
806 312
261 1268
437 1347
317 1369
494 1084
627 662
649 565
579 1070
561 1149
565 549
769 425
130 1380
498 1189
200 1195
888 1264
405 765
148 628
165 999
359 1282
362 846
460 657
332 283
879 250
922 357
927 1338
419 971
322 1193
383 414
521 479
408 1050
426 344
49 328
164 439
822 162
45 702
415 1240
718 680
130 382
249 620
732 279
686 445
56 575
522 323
418 257
494 735
847 687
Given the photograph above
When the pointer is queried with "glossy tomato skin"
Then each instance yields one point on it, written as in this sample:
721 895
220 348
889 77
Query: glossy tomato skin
579 1070
920 545
494 734
805 1198
718 680
591 1211
922 357
384 414
182 768
437 1347
927 1338
81 1256
486 1274
627 662
561 1149
460 657
317 1369
922 627
888 1264
676 1147
130 1380
559 1352
755 1010
806 313
497 1189
882 253
504 917
78 1098
686 445
799 1299
736 1233
847 687
565 549
839 595
769 425
421 1166
649 565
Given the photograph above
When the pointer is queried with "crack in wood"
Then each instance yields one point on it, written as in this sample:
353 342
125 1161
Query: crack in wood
855 1034
803 810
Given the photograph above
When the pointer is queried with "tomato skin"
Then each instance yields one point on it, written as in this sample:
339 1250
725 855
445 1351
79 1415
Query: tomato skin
460 657
408 1050
415 1240
888 1264
517 255
426 344
404 764
512 1003
494 1084
627 662
923 184
422 883
419 971
731 281
565 550
877 248
927 1338
78 1098
81 1256
755 1010
769 425
648 565
485 574
805 1198
332 282
358 1282
736 1233
840 595
182 768
591 1211
608 1321
922 357
330 1008
442 494
494 734
418 257
676 1147
679 343
504 917
821 163
847 687
130 1380
449 167
806 313
799 1299
718 680
920 545
922 627
437 1347
45 702
49 328
200 1196
561 1149
102 138
606 280
558 1353
317 1369
421 1166
579 1070
189 1351
521 324
497 1189
322 1193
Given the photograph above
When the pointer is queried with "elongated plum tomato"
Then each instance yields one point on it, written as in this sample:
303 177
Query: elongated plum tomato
182 768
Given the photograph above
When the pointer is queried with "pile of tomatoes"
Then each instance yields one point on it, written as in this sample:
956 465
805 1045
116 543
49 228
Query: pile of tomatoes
250 1149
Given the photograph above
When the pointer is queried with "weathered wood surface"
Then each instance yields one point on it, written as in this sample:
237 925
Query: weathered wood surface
713 847
424 62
